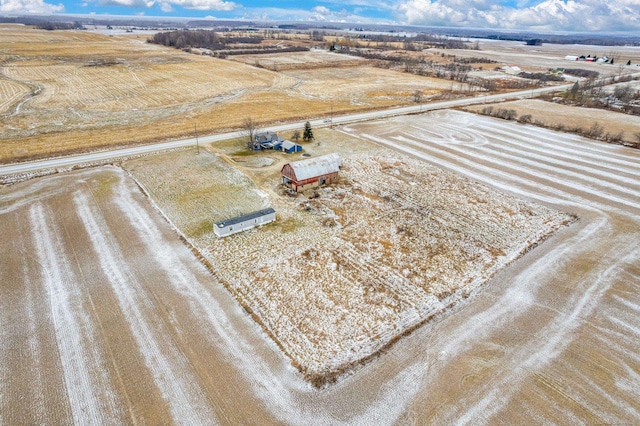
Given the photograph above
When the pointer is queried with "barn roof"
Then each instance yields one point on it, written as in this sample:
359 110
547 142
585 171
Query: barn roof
312 167
241 219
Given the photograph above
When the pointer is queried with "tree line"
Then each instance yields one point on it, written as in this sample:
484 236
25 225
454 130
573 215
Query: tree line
182 39
207 39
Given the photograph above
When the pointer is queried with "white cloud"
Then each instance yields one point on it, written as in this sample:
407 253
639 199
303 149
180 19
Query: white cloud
322 10
564 15
129 3
316 14
29 6
218 5
168 5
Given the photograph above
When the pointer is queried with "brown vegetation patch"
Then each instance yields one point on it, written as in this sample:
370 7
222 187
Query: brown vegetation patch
343 274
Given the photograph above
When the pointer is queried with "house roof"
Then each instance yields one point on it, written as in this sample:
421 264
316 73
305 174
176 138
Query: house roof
268 137
312 167
242 218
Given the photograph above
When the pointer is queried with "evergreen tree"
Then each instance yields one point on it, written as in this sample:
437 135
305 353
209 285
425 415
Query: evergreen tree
308 133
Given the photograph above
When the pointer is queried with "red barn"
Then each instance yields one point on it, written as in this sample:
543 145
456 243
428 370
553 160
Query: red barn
312 172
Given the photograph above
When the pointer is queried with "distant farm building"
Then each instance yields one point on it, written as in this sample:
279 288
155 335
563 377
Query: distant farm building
511 69
312 172
242 223
290 147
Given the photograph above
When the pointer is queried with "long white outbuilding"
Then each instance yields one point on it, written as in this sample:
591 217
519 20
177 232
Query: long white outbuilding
242 223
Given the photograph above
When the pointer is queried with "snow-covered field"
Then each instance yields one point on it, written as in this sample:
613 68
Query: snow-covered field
105 315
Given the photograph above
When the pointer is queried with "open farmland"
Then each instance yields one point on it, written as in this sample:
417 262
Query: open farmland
71 91
341 276
365 86
300 60
549 55
87 90
552 338
553 115
98 314
11 93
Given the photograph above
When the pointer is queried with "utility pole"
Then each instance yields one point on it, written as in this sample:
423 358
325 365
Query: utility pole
195 129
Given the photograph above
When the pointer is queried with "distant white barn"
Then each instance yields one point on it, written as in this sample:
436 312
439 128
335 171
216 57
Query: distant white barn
242 223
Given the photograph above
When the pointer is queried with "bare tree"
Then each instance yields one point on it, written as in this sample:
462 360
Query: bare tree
595 131
624 93
296 135
417 96
250 127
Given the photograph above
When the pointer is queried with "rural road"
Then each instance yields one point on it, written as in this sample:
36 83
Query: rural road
96 157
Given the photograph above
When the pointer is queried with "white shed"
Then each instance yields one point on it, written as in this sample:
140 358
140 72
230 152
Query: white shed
242 223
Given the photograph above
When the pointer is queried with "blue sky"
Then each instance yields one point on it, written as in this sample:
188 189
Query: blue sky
544 15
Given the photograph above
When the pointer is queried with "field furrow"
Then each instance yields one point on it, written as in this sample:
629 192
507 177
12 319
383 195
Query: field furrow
169 367
88 388
11 93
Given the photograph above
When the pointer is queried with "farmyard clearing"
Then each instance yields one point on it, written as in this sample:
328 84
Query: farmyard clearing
341 276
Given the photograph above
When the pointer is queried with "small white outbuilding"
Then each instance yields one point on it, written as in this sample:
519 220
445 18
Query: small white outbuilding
242 223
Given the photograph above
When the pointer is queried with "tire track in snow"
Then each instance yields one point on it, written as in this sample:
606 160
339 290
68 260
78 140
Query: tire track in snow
555 141
168 366
91 397
512 149
548 152
561 170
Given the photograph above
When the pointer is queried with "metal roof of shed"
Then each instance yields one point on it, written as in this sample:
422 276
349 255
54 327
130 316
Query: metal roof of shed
245 217
313 167
288 145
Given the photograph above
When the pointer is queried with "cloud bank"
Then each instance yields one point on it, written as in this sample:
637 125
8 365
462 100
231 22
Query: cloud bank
541 15
551 15
29 7
168 6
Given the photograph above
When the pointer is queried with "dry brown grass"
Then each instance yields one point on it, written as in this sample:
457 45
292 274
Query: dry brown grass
71 91
341 276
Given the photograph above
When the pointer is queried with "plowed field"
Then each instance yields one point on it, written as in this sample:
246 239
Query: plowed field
106 316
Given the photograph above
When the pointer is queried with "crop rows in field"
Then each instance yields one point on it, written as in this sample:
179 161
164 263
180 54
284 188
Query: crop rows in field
121 87
366 85
11 93
300 60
